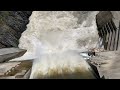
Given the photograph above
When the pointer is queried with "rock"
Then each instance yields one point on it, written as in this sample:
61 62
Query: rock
10 53
116 17
94 70
15 70
12 24
27 75
102 21
5 67
108 64
108 15
108 28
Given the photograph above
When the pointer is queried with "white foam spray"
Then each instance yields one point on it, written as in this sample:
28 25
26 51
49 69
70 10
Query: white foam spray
54 39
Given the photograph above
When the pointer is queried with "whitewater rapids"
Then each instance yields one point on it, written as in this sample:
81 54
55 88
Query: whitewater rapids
53 40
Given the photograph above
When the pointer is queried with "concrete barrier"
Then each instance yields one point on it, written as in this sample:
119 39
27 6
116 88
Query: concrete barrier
7 54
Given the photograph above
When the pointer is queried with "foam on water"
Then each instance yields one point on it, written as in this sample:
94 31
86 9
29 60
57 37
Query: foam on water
67 64
53 39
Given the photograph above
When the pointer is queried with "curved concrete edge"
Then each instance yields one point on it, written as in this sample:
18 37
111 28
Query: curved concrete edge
7 54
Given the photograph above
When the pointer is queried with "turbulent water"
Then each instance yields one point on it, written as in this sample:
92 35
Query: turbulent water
55 38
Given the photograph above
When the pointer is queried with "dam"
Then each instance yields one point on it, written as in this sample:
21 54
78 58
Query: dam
54 41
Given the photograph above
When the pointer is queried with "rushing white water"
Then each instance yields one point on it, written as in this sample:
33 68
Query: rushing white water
54 39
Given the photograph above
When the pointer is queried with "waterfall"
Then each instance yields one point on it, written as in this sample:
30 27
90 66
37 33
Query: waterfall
53 40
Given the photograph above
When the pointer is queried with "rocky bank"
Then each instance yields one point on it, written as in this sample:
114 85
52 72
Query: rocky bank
12 24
